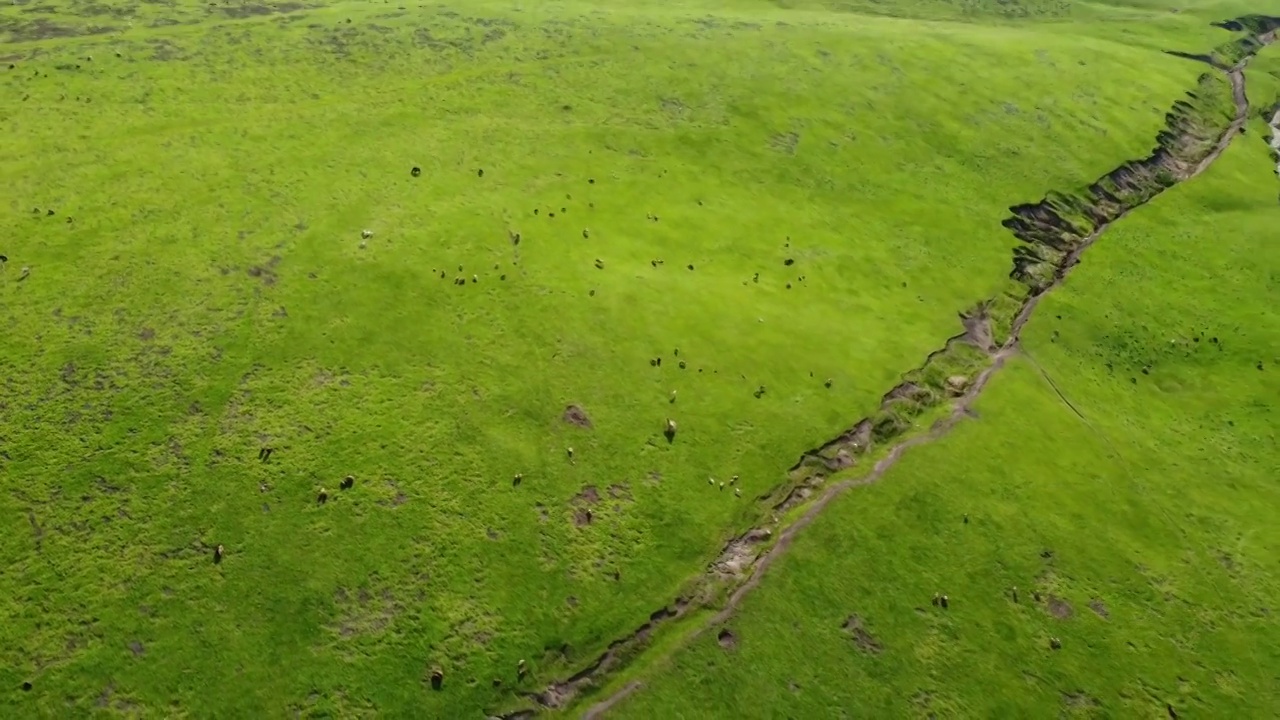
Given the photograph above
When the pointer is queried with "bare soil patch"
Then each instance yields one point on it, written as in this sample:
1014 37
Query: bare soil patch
865 641
575 415
1059 608
42 29
244 11
977 328
785 143
582 502
727 640
1080 700
739 553
589 496
1100 608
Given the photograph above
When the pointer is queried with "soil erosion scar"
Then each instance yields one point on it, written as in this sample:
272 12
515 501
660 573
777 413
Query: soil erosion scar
1055 233
1275 136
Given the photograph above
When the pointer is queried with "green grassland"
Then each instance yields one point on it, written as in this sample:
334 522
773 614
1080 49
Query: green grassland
1142 522
185 190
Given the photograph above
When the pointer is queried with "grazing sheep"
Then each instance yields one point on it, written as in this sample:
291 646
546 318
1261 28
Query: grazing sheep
366 234
737 492
586 233
521 669
599 264
265 453
348 482
1015 593
322 497
673 396
217 555
437 675
570 452
519 478
670 430
944 601
733 480
26 273
1055 644
416 171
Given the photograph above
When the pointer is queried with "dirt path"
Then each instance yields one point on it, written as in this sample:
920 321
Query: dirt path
562 693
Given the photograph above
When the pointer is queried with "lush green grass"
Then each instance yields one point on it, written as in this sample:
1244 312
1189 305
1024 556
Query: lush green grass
1154 508
201 291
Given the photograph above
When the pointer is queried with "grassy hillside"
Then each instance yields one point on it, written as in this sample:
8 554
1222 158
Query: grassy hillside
1126 518
188 281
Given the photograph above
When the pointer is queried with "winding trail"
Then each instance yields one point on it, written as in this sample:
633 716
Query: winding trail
561 694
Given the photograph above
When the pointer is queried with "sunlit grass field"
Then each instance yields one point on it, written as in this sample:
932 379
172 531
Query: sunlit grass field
396 242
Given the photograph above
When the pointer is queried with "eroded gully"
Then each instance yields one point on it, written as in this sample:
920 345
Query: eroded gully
1178 156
